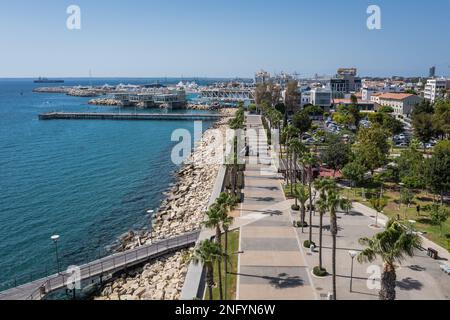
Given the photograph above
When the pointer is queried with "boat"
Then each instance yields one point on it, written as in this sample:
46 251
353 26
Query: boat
46 80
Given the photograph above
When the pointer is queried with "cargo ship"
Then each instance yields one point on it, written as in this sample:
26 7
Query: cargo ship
46 80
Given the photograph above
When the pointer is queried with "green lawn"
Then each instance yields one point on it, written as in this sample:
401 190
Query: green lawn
392 210
233 248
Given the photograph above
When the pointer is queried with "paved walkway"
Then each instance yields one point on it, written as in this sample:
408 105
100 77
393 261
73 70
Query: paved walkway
272 265
418 278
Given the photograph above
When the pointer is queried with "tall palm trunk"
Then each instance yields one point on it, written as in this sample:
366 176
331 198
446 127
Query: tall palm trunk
294 176
303 214
210 281
334 231
310 203
219 264
320 240
287 166
388 280
219 273
226 264
334 267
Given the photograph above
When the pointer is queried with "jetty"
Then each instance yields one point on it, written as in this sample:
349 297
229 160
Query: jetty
39 289
129 116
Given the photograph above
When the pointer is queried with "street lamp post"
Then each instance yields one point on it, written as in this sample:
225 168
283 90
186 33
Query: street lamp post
352 254
55 239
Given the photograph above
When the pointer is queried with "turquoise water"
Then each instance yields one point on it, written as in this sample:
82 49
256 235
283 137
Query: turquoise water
88 181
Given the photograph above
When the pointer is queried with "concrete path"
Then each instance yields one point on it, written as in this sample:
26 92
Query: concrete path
418 278
272 265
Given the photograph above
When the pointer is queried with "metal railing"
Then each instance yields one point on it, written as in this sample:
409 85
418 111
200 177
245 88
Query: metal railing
110 264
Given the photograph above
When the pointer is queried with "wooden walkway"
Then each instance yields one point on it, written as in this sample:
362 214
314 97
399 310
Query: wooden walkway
39 289
128 116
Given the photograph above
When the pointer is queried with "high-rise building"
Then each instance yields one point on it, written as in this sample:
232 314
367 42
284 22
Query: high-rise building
432 73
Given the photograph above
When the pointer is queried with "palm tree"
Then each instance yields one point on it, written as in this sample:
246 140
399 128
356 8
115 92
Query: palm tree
378 203
322 205
346 205
310 161
297 149
214 221
289 132
207 253
227 202
233 167
324 186
334 202
391 245
301 196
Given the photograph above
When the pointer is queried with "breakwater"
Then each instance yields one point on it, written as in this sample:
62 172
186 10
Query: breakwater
127 116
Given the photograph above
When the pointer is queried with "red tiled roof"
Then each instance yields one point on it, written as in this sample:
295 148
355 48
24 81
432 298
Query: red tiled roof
395 96
329 173
348 101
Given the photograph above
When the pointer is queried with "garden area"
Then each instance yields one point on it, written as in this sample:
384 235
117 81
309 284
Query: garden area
407 205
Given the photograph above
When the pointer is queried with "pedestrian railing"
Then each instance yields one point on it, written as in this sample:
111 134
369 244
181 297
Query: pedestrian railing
37 290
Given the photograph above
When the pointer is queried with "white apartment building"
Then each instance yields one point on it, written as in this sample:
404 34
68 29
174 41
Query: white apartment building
305 98
402 103
434 88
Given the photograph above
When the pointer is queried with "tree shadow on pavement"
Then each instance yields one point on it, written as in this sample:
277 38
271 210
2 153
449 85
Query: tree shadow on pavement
409 284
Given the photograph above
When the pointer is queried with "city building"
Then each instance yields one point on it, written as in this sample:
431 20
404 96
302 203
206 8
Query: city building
321 97
432 73
402 103
282 79
368 92
435 88
262 77
171 99
305 98
345 81
363 105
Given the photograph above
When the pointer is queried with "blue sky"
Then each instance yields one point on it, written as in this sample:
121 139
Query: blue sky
222 38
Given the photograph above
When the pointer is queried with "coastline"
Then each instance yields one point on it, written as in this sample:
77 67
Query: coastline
182 211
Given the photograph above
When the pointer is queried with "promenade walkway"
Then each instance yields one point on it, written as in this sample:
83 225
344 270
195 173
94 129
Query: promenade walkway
272 265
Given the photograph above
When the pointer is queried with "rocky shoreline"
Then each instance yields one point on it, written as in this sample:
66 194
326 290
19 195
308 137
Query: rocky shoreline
104 102
182 211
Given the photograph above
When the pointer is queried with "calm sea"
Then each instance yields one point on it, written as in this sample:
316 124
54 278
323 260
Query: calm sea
87 181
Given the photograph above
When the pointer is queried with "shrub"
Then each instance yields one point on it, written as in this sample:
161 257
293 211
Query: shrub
320 272
308 244
295 207
300 224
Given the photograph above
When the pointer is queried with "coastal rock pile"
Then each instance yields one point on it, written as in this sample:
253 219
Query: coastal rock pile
52 89
160 280
182 211
82 93
104 102
200 107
